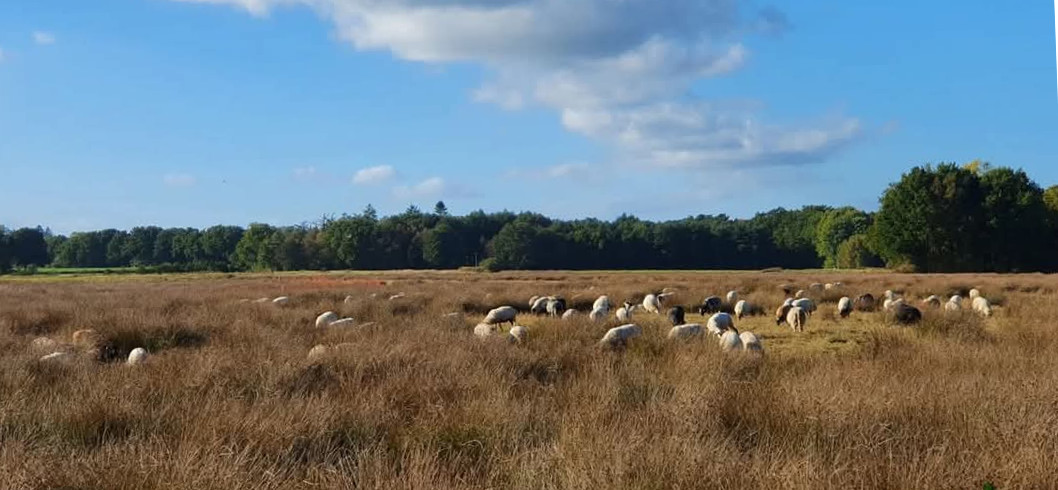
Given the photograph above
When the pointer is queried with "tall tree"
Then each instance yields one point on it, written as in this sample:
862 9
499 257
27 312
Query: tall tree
28 247
1016 222
931 219
835 227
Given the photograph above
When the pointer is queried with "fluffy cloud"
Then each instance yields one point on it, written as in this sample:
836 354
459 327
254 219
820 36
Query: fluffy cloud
179 180
374 175
43 38
619 72
431 188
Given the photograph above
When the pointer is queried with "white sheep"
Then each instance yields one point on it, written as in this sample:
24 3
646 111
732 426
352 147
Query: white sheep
539 306
720 323
732 297
44 344
532 301
805 304
598 314
651 304
503 314
55 357
602 302
890 304
485 330
799 294
844 307
281 301
624 313
326 319
750 342
137 356
788 302
517 335
569 314
619 336
555 306
828 286
974 293
318 352
932 301
687 331
740 309
954 303
730 341
889 294
982 306
797 318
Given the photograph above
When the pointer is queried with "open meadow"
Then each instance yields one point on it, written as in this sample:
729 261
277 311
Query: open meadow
410 398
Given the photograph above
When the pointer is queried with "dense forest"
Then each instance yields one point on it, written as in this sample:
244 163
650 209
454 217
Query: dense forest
944 218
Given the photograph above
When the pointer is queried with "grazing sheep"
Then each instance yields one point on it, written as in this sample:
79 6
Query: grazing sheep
974 293
844 307
503 314
751 343
532 301
890 303
569 314
44 344
326 319
619 336
676 315
828 286
865 302
55 357
712 304
86 338
954 303
518 334
556 306
933 301
906 314
805 304
744 308
982 307
540 306
797 318
681 332
889 294
344 322
318 352
624 313
732 297
720 323
137 356
652 304
730 341
788 302
598 314
281 301
603 303
781 312
485 330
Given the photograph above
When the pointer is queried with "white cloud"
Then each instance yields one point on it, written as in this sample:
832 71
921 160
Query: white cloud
304 173
43 38
374 175
619 72
179 180
431 188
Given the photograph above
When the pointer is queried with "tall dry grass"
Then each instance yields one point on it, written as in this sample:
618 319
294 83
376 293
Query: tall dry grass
229 400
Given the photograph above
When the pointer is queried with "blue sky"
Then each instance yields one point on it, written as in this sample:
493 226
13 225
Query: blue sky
117 113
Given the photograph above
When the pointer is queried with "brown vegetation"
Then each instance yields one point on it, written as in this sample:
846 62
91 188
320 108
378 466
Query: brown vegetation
229 399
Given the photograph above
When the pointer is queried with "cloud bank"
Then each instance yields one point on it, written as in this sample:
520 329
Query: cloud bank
616 71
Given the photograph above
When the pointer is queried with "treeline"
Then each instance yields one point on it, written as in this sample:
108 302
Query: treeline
943 218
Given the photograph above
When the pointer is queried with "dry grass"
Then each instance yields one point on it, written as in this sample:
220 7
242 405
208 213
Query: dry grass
229 400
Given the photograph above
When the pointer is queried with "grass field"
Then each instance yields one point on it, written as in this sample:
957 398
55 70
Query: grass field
230 400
